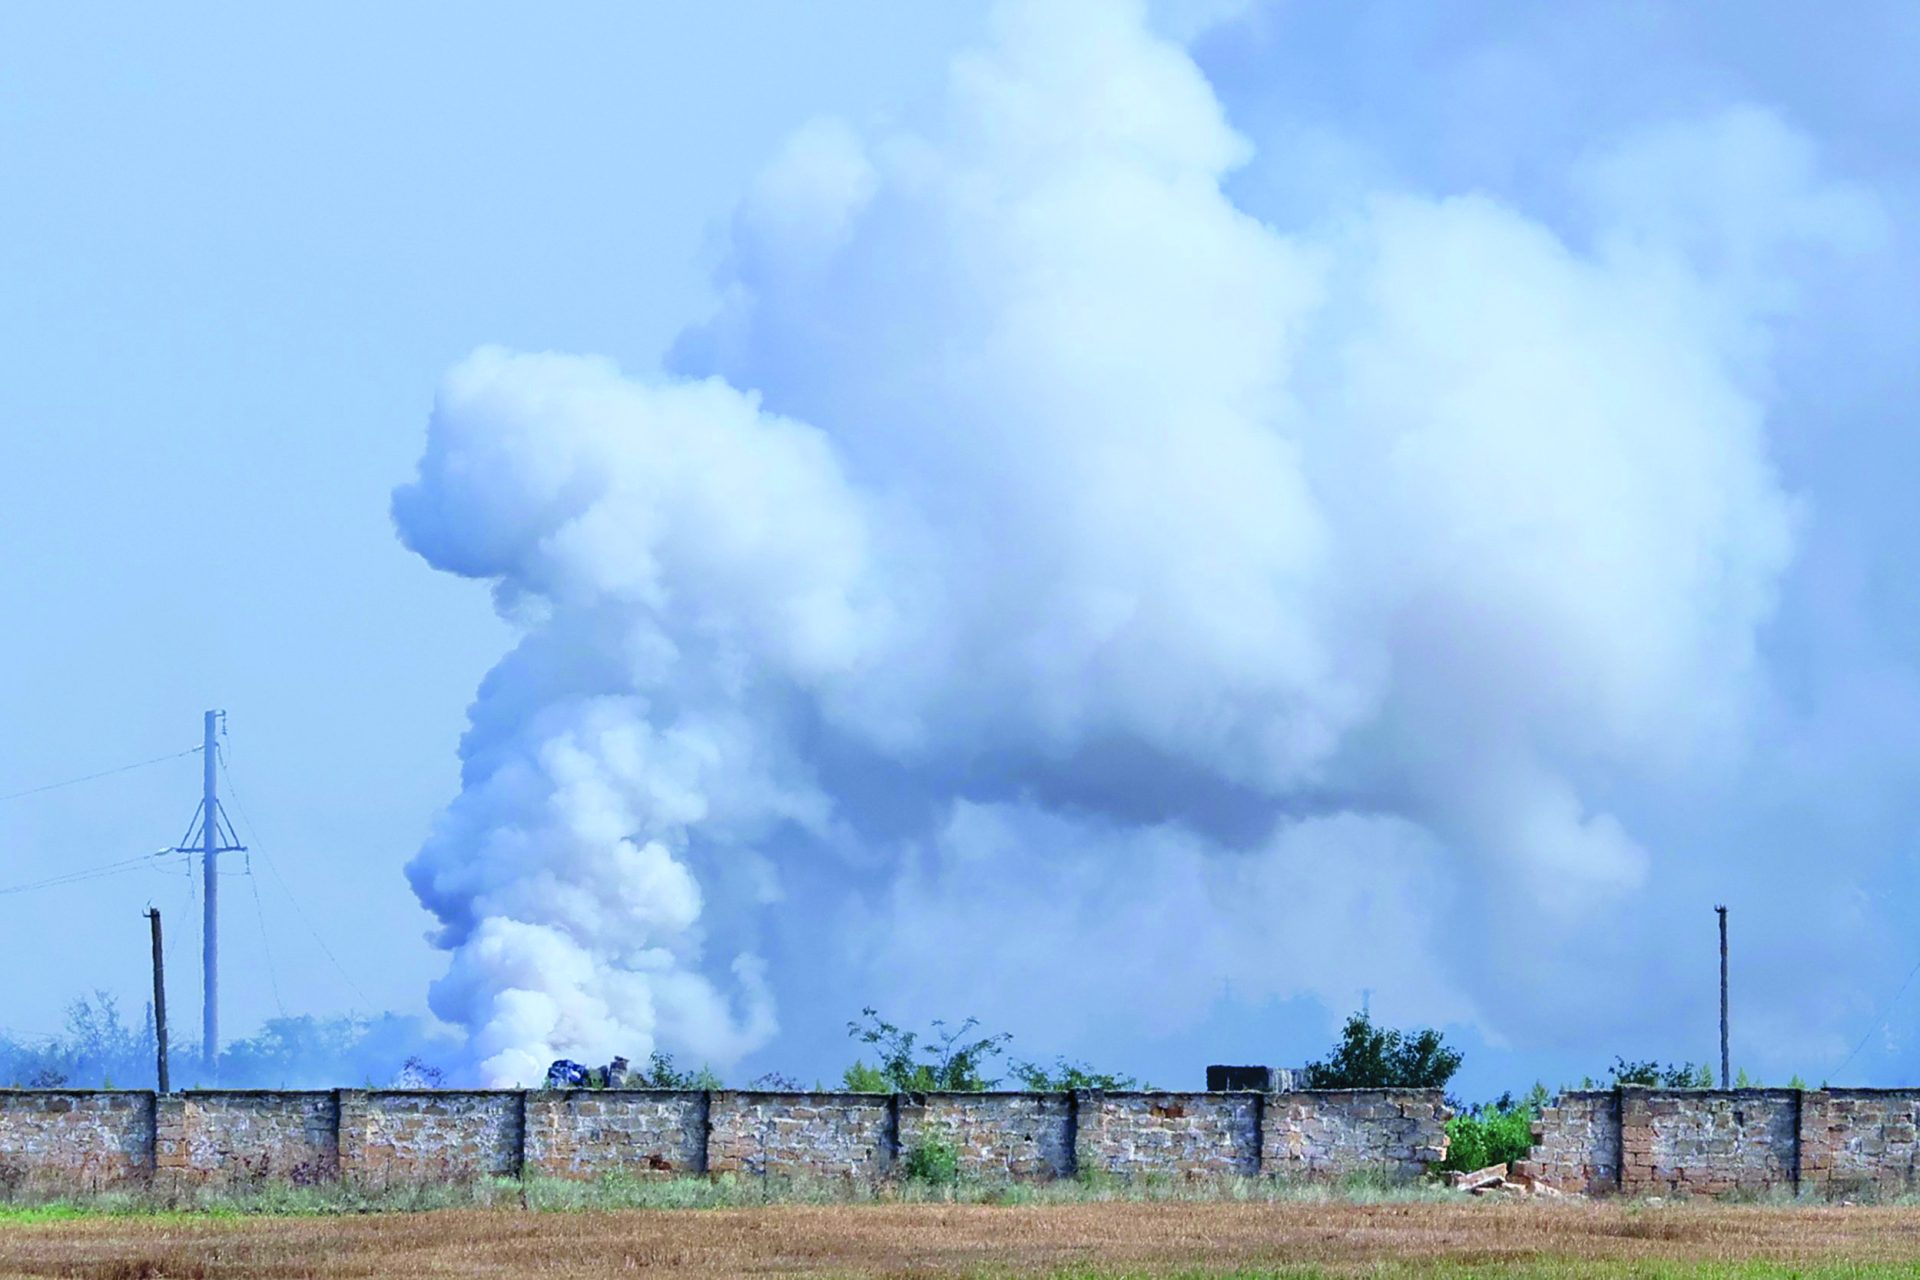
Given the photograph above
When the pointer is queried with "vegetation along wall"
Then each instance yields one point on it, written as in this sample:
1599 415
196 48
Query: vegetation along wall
1720 1142
97 1139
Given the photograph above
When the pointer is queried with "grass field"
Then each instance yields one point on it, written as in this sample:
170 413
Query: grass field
1060 1241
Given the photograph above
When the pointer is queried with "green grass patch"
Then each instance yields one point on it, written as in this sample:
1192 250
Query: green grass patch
1531 1269
613 1191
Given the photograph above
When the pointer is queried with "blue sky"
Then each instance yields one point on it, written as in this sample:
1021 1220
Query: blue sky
243 250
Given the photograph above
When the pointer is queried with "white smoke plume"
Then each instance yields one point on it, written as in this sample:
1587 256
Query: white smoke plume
1055 557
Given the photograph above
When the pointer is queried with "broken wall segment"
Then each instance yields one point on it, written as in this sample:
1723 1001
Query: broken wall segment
1576 1142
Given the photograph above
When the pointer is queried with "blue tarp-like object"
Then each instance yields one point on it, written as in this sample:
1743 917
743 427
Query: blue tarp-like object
567 1074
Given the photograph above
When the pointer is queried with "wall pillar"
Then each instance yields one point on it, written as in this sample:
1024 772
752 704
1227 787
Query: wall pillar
1088 1113
1813 1141
172 1152
540 1132
1260 1133
353 1127
1636 1140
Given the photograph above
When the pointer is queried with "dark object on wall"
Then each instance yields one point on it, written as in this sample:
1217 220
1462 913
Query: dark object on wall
1235 1079
567 1074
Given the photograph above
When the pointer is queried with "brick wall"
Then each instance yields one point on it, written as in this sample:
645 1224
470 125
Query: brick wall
995 1135
1576 1142
794 1134
430 1134
1188 1134
1859 1140
1725 1142
1396 1132
83 1139
582 1133
235 1137
101 1138
1716 1143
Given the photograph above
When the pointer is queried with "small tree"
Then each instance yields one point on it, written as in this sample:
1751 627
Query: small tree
861 1078
947 1062
1065 1076
661 1073
1371 1057
1655 1076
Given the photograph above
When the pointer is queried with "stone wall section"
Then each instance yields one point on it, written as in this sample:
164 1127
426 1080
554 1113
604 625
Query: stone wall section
1721 1142
242 1137
1641 1141
1182 1134
1730 1142
90 1140
1396 1133
1576 1142
583 1133
997 1136
833 1135
435 1135
1855 1141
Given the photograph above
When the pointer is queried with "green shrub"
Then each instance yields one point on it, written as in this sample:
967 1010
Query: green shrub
933 1162
861 1078
1656 1076
1486 1135
1065 1076
662 1073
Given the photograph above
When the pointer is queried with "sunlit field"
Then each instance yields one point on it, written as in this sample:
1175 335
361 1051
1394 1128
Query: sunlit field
1095 1238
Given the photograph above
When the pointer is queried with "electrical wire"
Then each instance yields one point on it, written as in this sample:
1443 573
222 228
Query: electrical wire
104 773
266 948
1880 1023
253 835
88 873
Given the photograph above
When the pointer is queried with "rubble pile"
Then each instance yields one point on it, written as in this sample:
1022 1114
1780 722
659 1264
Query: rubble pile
1497 1179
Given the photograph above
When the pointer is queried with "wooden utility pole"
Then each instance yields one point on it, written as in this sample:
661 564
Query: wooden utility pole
159 999
1726 1069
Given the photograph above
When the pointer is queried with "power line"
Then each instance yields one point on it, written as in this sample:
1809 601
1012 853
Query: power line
88 873
104 773
1881 1023
253 835
259 913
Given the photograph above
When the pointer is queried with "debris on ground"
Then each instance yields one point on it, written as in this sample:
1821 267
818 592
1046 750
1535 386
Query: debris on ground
1498 1179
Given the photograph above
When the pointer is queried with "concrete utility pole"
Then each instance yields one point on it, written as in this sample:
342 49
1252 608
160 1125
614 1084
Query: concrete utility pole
210 925
159 999
1726 1070
215 838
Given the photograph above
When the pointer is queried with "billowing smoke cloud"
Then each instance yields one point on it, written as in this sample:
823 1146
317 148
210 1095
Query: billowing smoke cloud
1060 560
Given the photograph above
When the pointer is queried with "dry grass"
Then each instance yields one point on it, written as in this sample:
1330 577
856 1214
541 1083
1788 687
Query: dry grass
1083 1240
